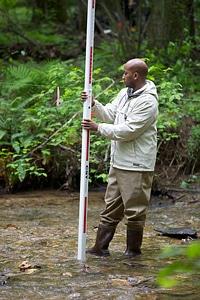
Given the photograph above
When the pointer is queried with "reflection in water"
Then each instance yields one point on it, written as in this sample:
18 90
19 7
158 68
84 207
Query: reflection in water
42 228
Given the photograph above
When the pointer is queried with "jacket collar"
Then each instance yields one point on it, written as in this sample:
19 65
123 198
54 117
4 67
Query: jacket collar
132 94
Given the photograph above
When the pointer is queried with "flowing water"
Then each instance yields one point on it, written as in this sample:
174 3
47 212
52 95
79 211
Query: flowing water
42 228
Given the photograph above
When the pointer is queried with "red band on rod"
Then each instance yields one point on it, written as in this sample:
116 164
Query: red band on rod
87 146
91 58
85 215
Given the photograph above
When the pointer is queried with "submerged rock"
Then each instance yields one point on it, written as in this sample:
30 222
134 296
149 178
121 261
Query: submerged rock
3 278
179 233
26 265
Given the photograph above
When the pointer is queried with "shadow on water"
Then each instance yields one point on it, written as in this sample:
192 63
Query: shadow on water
42 228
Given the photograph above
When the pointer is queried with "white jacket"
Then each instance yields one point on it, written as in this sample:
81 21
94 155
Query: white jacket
132 128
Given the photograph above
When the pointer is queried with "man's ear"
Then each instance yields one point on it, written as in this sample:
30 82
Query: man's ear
135 75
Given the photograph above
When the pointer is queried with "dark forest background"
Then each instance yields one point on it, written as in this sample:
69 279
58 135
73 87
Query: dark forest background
42 52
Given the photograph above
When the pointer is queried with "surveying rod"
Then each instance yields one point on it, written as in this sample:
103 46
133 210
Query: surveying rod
86 133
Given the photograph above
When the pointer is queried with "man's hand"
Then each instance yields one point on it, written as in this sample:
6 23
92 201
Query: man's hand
84 97
89 125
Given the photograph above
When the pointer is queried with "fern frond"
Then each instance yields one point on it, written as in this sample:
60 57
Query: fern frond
19 72
19 103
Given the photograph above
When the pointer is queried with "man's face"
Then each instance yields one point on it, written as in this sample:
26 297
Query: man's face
128 77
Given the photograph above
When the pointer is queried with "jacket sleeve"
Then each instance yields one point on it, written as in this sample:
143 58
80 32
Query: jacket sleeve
107 113
104 113
138 120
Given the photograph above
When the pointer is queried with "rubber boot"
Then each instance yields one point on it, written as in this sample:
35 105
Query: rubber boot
134 243
103 238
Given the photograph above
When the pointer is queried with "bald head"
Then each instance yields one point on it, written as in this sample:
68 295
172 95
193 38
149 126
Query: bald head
139 66
135 72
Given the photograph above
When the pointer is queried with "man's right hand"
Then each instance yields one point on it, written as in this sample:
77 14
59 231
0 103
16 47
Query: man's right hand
84 97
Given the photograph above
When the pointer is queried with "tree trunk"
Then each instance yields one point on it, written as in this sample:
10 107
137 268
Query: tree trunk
168 20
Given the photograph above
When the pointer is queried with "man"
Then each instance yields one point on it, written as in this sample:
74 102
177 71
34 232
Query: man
131 126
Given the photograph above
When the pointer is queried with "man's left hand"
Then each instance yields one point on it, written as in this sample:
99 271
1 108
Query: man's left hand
89 124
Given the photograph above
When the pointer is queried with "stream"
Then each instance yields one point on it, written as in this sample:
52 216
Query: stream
41 227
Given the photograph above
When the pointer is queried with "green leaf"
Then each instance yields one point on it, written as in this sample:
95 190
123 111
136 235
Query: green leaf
2 133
